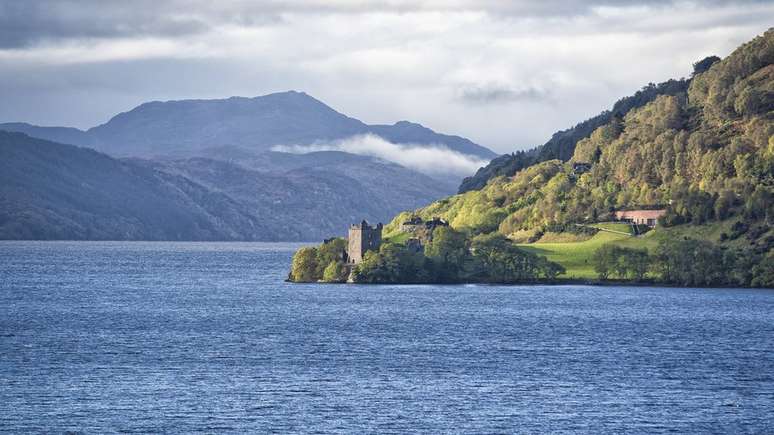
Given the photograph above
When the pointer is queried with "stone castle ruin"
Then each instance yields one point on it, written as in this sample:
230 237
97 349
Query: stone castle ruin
363 238
415 225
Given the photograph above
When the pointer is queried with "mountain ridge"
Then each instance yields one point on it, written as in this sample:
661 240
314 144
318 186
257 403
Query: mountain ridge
57 191
256 123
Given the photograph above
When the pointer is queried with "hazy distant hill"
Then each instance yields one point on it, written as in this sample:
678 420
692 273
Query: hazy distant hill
213 175
256 124
65 135
56 191
375 174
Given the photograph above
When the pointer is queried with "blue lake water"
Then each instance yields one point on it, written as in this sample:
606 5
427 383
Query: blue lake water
184 337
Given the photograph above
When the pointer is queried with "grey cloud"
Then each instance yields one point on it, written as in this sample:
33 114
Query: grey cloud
498 94
25 23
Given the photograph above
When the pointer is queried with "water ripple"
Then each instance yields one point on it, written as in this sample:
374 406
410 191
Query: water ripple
206 337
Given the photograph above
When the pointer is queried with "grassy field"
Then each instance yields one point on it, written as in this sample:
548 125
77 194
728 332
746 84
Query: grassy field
576 256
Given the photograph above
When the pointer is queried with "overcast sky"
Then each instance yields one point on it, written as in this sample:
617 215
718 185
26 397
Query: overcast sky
505 74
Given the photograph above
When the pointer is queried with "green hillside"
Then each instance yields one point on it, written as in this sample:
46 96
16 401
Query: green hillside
574 256
562 143
706 155
709 153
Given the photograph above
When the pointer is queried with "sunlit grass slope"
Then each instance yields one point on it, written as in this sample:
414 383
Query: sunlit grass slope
575 256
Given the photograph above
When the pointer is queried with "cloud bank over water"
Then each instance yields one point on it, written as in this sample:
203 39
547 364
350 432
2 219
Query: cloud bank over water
428 159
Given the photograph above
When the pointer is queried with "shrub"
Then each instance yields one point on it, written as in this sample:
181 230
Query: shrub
335 272
304 267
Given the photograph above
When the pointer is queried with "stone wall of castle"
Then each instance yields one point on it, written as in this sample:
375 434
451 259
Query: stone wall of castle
363 238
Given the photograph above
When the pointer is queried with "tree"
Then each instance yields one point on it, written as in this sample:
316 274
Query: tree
330 251
336 271
724 204
604 260
759 203
763 273
620 263
637 263
304 266
393 263
691 262
550 269
704 64
447 250
497 259
623 262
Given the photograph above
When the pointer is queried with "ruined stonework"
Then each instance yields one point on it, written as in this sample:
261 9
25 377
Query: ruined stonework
363 238
422 230
415 223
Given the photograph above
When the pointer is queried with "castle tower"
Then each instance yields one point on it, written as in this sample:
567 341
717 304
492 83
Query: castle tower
363 238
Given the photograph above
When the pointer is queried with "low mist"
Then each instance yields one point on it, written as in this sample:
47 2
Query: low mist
429 159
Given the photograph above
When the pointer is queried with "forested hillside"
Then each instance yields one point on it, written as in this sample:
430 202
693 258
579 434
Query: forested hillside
706 155
57 191
562 144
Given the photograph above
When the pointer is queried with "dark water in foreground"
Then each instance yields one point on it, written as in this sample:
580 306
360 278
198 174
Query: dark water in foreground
168 337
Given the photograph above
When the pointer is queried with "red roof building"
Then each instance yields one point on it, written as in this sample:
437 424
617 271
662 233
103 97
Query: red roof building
640 217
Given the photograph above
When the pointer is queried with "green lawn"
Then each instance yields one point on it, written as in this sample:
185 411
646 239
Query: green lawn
575 256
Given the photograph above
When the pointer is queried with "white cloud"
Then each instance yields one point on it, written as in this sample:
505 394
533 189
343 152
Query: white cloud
428 159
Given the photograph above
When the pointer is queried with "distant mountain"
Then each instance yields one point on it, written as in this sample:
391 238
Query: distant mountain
256 124
57 191
65 135
211 157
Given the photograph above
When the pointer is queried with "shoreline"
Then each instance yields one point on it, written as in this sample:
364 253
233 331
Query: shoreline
554 283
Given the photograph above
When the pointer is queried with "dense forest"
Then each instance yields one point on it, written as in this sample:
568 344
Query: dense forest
562 144
706 154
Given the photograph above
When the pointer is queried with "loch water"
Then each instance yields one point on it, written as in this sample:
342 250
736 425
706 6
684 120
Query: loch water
100 337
